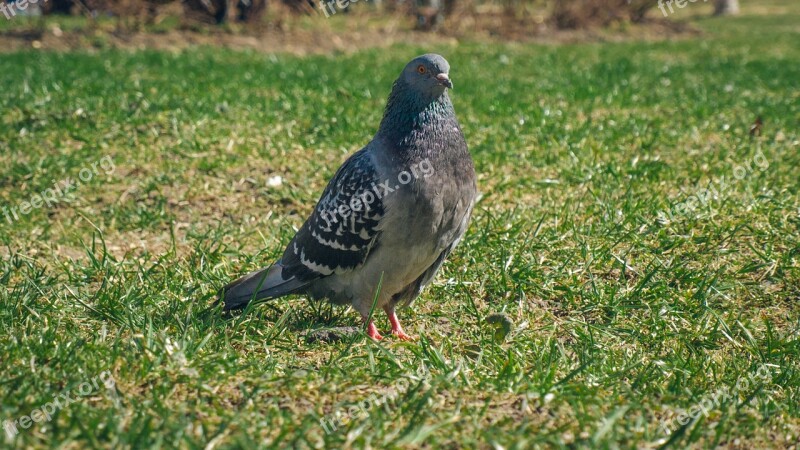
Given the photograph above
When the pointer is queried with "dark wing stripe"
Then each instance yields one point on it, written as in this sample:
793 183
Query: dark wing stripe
338 239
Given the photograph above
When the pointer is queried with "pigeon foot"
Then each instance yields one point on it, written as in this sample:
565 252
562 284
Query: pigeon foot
397 329
372 331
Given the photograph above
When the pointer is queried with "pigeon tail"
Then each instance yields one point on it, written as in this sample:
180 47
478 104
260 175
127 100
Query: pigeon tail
264 284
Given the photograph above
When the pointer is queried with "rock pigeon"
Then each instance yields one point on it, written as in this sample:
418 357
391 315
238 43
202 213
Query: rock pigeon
391 214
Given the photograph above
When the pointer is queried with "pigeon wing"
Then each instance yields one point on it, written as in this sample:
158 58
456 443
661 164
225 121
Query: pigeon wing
344 227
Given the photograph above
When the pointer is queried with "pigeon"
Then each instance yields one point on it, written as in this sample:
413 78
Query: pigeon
390 215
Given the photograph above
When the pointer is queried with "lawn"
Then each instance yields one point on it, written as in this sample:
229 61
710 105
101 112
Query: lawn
644 243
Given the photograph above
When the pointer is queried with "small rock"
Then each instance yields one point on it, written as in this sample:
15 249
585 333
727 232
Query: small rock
501 324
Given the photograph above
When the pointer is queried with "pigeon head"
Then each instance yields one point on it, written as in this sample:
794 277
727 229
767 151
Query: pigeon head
427 75
418 100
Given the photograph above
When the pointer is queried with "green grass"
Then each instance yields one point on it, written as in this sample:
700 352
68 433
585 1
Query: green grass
623 318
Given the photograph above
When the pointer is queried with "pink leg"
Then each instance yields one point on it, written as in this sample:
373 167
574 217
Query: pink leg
397 329
372 330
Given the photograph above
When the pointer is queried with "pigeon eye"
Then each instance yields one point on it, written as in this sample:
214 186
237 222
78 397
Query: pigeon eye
421 69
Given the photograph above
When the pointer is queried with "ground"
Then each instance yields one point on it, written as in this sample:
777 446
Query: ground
638 225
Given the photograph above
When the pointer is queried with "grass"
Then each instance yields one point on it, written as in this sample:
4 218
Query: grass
626 314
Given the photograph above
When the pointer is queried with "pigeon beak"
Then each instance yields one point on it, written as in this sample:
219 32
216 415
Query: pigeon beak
444 80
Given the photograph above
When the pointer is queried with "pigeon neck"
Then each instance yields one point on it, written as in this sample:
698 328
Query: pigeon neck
407 115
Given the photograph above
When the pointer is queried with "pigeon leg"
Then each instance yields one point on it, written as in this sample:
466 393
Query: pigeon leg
397 329
372 330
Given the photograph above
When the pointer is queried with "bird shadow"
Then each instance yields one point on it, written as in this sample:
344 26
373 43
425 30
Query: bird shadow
315 320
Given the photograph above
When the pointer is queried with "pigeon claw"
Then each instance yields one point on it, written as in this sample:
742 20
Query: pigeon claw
402 336
397 329
372 332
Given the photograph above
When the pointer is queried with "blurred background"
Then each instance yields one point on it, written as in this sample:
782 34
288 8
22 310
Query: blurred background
318 26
